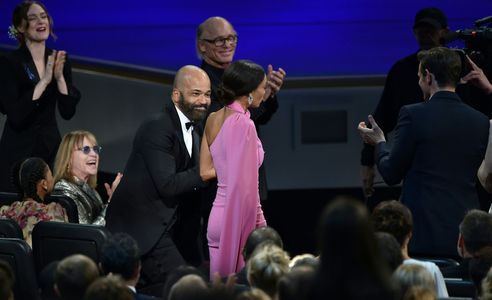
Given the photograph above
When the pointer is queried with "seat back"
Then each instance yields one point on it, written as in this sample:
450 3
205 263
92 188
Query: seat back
54 241
68 204
460 288
18 254
7 198
10 229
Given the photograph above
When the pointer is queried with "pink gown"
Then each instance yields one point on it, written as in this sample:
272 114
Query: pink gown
237 154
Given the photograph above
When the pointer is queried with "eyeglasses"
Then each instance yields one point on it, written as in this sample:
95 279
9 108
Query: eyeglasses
87 149
221 41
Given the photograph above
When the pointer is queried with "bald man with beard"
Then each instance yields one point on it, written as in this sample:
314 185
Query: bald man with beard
159 190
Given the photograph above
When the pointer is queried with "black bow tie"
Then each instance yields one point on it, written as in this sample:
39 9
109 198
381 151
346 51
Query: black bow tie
189 124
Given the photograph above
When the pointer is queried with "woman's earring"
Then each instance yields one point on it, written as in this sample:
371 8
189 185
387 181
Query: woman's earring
250 99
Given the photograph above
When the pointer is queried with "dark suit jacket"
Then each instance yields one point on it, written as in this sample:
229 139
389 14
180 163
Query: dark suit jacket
31 128
159 176
438 147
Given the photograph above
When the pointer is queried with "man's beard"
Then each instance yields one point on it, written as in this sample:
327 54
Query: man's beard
190 111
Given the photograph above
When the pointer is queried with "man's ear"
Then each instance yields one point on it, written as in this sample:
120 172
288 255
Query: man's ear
175 95
428 77
201 46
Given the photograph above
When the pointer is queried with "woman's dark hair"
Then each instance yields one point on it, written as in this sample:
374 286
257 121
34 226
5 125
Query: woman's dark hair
26 174
239 79
20 14
350 265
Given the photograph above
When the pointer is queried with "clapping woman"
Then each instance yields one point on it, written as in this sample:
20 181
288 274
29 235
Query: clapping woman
34 80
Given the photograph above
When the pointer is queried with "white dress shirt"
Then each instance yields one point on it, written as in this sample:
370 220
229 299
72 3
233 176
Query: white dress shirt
187 136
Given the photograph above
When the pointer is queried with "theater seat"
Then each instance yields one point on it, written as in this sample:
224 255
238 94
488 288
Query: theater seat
19 255
10 229
54 241
7 198
460 288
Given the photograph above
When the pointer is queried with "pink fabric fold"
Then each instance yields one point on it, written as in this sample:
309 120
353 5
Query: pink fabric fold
237 154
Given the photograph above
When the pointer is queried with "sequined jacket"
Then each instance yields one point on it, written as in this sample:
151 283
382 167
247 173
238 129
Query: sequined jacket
90 206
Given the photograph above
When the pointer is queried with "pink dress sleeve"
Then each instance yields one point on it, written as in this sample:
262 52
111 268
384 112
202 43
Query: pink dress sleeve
241 207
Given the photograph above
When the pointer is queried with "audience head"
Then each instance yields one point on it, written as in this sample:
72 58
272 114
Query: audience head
189 287
6 281
120 255
46 281
296 284
430 26
475 233
253 294
349 254
304 260
266 266
243 79
419 293
412 275
33 178
78 156
394 218
73 275
390 250
191 92
176 275
216 42
439 67
26 16
111 287
258 236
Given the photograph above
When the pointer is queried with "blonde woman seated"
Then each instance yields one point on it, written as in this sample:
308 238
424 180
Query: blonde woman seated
34 181
76 166
266 266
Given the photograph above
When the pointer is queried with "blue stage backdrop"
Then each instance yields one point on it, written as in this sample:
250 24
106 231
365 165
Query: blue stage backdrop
307 38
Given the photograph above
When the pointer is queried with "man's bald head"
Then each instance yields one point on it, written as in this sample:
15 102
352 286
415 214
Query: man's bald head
191 92
188 74
216 28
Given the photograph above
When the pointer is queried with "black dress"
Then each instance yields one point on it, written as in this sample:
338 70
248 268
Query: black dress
31 128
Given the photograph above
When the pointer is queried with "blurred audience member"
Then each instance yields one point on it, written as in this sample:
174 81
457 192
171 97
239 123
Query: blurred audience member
266 266
73 276
390 249
350 265
253 294
411 275
111 287
120 256
189 287
6 281
175 275
256 237
296 283
395 218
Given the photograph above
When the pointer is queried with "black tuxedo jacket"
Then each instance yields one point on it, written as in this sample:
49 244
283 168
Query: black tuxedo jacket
438 147
159 176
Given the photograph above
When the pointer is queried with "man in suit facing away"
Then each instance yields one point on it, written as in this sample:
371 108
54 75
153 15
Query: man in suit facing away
438 147
158 194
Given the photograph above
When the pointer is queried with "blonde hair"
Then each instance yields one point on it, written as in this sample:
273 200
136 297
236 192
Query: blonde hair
266 266
63 167
412 275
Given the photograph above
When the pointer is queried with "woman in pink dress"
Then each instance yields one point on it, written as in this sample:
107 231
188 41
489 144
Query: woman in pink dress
231 150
